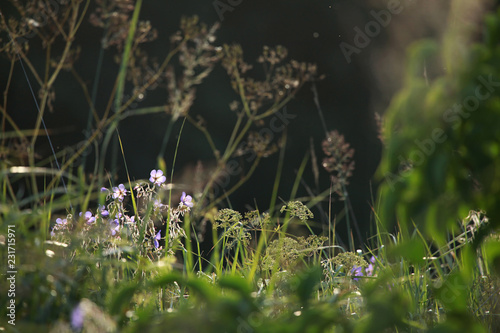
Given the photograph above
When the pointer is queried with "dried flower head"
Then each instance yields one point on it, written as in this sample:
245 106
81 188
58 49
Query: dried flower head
259 144
339 161
281 79
114 16
197 57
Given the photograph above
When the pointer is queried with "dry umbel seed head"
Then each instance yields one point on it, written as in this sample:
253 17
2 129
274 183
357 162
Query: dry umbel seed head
339 161
280 79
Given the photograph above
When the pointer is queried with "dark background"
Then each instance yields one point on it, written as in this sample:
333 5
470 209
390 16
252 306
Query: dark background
350 93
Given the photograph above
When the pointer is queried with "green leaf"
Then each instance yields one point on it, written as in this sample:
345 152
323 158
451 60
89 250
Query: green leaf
236 283
453 293
120 300
307 283
412 250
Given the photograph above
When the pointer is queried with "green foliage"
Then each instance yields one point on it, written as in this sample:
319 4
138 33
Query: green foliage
443 147
349 260
297 209
287 253
227 217
123 289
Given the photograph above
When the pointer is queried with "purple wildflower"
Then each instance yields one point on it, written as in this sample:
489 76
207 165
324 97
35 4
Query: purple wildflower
369 270
156 239
61 222
115 227
77 317
88 217
186 200
357 271
119 192
157 177
103 211
371 267
157 204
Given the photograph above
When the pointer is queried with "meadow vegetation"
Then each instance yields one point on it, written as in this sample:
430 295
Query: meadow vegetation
84 251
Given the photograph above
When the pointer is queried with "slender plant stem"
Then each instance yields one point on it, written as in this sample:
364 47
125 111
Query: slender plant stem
122 76
278 174
171 179
166 137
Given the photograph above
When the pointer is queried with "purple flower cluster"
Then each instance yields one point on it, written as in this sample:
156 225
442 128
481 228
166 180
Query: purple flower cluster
358 270
61 224
114 218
